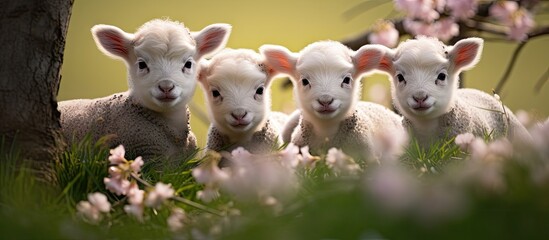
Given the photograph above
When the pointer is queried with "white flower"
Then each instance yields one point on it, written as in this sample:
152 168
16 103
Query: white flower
176 219
340 162
390 145
159 194
117 155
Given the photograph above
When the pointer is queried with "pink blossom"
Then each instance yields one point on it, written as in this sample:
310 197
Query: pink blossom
88 212
136 164
135 195
384 33
117 155
208 194
419 28
91 210
422 9
99 201
339 162
502 10
209 172
290 156
117 185
445 29
463 9
307 159
392 188
523 22
464 140
159 194
135 210
176 219
390 145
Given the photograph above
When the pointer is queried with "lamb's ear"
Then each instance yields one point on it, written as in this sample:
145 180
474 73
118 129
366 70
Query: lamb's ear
465 53
279 59
203 71
367 58
112 40
211 39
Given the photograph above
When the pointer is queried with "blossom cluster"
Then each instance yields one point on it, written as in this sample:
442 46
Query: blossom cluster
441 19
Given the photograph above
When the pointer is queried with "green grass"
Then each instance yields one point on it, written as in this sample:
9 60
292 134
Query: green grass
326 206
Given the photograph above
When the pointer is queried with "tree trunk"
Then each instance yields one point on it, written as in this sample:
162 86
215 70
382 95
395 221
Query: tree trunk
33 40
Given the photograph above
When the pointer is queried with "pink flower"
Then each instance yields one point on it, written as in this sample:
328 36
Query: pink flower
159 194
290 156
117 155
422 9
392 188
307 159
445 29
117 185
99 201
464 140
339 162
463 9
418 28
209 172
136 164
135 195
176 219
502 10
208 194
135 210
522 24
91 210
384 33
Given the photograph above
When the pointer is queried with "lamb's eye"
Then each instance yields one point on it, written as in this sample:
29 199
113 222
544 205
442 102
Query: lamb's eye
188 64
142 65
347 80
304 82
441 76
400 77
215 93
259 91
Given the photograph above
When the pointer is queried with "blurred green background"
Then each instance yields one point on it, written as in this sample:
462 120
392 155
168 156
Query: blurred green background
87 73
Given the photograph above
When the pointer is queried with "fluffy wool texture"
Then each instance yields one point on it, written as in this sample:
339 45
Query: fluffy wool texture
236 84
265 140
326 77
425 80
142 132
151 119
357 134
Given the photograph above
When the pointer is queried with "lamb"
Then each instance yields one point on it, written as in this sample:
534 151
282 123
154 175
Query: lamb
326 78
425 79
151 118
236 84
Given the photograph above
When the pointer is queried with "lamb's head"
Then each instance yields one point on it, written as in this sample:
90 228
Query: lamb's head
326 75
236 85
425 74
161 59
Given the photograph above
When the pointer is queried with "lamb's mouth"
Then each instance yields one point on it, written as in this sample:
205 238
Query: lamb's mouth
240 125
422 108
166 98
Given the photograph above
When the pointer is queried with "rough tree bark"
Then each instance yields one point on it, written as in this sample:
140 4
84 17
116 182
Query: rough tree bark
32 42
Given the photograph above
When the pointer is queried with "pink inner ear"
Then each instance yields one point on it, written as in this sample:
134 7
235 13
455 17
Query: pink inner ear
386 64
465 54
282 61
210 41
115 43
365 61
